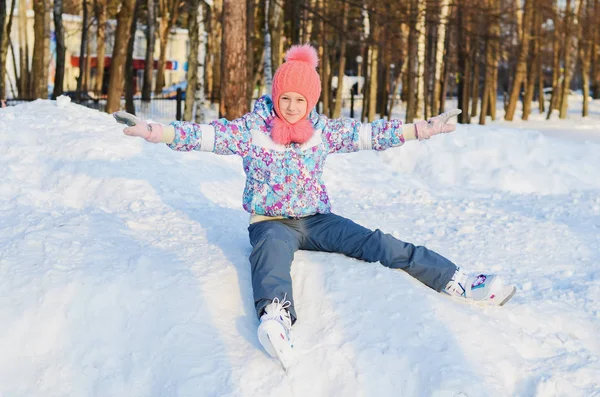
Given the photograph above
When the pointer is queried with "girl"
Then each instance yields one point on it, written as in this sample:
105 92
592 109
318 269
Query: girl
284 143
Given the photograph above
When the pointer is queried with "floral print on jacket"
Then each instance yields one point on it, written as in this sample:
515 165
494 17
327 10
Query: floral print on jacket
285 180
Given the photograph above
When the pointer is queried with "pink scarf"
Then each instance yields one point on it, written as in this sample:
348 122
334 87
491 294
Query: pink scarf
285 133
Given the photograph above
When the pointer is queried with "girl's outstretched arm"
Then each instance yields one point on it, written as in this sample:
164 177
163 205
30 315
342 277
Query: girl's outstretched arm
345 135
219 136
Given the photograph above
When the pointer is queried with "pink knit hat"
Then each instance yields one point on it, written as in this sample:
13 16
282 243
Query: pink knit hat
297 74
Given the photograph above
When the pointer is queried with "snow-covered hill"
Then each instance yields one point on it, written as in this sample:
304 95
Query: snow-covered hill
124 271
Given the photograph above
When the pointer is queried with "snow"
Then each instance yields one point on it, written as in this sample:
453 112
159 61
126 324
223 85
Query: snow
124 271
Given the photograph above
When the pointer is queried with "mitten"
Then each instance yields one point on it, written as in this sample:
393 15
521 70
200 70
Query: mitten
152 132
436 125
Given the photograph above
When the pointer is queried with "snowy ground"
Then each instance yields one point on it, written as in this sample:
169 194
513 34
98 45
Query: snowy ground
124 272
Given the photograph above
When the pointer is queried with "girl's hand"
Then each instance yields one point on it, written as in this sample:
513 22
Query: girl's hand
436 125
137 127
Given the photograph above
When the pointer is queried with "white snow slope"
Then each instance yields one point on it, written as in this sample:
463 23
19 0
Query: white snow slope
124 271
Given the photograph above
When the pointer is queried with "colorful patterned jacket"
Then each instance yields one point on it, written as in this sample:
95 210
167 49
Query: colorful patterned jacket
286 181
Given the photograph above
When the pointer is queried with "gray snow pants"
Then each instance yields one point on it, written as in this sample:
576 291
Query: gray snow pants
275 241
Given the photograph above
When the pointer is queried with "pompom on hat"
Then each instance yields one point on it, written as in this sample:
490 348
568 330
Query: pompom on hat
297 74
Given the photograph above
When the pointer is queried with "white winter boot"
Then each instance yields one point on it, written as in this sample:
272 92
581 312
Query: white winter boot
483 289
275 331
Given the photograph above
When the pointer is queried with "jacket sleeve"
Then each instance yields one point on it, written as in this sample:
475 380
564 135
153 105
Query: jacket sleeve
220 136
347 135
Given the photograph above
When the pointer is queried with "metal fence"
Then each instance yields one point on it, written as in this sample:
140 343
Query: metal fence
157 108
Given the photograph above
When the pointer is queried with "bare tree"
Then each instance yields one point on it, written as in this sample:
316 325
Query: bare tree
24 71
82 50
521 73
532 64
337 111
115 83
585 53
571 38
59 33
168 11
233 63
595 72
150 38
100 11
41 48
439 51
129 71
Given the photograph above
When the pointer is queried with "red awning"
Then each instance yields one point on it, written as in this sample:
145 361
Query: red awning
138 64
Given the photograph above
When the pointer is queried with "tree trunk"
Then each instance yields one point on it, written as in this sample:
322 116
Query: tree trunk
100 12
374 66
475 80
4 42
521 72
119 54
3 52
486 97
233 66
59 33
440 51
464 63
326 69
570 44
540 79
149 60
267 68
556 56
532 76
420 94
168 13
412 55
342 67
192 76
129 72
278 38
41 49
250 6
595 73
199 94
214 51
585 52
24 71
82 48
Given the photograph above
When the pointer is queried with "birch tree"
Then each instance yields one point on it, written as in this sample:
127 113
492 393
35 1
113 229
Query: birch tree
267 69
440 51
194 94
4 42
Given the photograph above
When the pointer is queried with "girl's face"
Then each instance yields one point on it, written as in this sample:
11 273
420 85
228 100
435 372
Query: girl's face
293 106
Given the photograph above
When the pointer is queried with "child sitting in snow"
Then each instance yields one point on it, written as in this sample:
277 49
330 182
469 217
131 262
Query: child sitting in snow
284 143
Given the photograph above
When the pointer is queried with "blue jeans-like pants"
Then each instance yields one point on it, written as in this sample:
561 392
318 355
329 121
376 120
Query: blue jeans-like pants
274 243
